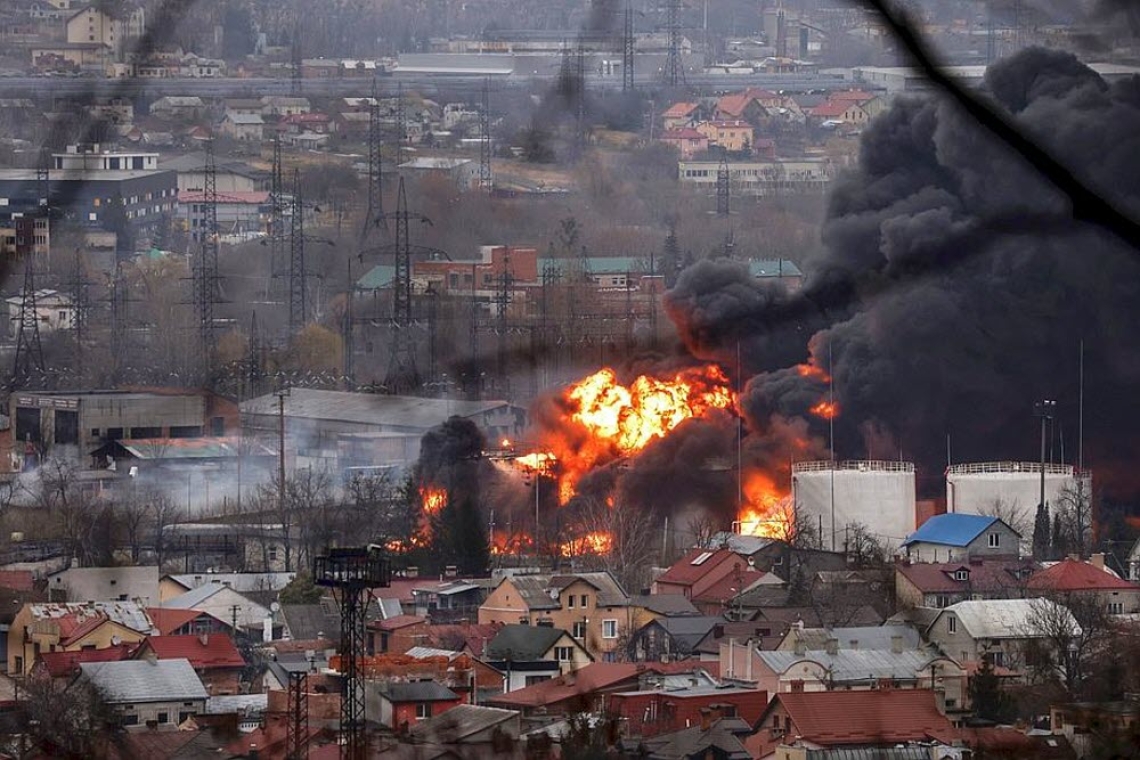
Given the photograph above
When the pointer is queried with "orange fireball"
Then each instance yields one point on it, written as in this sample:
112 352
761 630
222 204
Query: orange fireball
766 511
825 409
432 499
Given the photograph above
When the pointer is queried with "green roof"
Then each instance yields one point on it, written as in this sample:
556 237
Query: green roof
379 276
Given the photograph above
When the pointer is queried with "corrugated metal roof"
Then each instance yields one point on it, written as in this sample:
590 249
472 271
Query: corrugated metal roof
417 691
854 664
953 529
859 637
370 408
128 614
236 581
1008 618
135 681
194 448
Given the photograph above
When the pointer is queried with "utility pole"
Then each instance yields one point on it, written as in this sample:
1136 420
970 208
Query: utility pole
297 732
485 178
205 275
298 274
580 130
119 300
723 188
348 325
80 306
255 360
401 126
674 68
375 216
627 80
1044 411
502 304
276 212
29 351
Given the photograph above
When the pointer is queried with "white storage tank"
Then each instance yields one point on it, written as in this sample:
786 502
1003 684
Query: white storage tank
834 496
976 487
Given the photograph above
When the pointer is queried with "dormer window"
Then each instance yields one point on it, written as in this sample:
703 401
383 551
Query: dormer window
962 575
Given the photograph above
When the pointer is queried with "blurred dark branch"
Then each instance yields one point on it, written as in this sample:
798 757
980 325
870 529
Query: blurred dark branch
1086 204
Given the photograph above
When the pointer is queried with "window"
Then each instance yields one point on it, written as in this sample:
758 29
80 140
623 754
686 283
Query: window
163 717
995 540
272 554
609 629
951 624
961 575
1116 608
583 598
570 601
184 716
941 601
423 710
564 654
532 680
130 720
580 630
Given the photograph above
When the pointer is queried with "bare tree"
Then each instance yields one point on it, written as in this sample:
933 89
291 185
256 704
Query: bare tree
629 550
1012 513
1073 510
70 719
703 528
164 513
1065 631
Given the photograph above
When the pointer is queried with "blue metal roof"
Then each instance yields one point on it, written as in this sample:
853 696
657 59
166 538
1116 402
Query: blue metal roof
953 529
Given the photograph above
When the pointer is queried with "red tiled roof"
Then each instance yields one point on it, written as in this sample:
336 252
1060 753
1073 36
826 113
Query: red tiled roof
1075 575
684 573
594 677
688 133
16 580
168 620
60 664
397 622
987 575
729 586
679 110
474 636
886 716
213 651
830 109
856 96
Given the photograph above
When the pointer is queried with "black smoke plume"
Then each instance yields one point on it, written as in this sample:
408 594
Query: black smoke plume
954 288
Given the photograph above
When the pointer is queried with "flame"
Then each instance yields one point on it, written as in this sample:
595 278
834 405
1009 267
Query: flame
595 542
766 511
613 420
540 461
825 409
432 499
810 370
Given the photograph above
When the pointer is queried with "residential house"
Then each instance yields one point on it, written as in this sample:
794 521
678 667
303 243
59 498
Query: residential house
214 657
649 712
179 107
840 112
223 603
847 720
708 578
66 664
313 122
450 601
529 654
688 141
399 705
461 173
940 584
1076 580
680 116
732 136
92 24
870 103
247 106
54 312
1081 723
261 587
711 737
281 105
670 638
589 688
751 105
151 692
397 634
471 638
1004 631
1009 743
243 127
67 627
850 669
469 726
592 606
461 672
762 634
858 637
959 536
79 584
170 622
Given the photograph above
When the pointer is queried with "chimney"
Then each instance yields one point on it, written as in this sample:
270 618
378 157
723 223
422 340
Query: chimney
832 646
799 647
896 644
151 657
1097 560
706 718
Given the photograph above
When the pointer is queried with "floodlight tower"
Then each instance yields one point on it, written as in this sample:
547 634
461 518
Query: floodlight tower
352 572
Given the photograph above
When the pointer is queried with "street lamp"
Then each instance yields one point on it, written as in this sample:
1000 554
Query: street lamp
1044 410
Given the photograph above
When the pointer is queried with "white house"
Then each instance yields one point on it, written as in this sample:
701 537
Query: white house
54 311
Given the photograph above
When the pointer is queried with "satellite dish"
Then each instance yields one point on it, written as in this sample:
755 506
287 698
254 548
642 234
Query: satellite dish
275 607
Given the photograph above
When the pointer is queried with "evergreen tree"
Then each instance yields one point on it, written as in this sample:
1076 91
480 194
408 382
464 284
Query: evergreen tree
990 702
458 537
1060 540
1042 538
